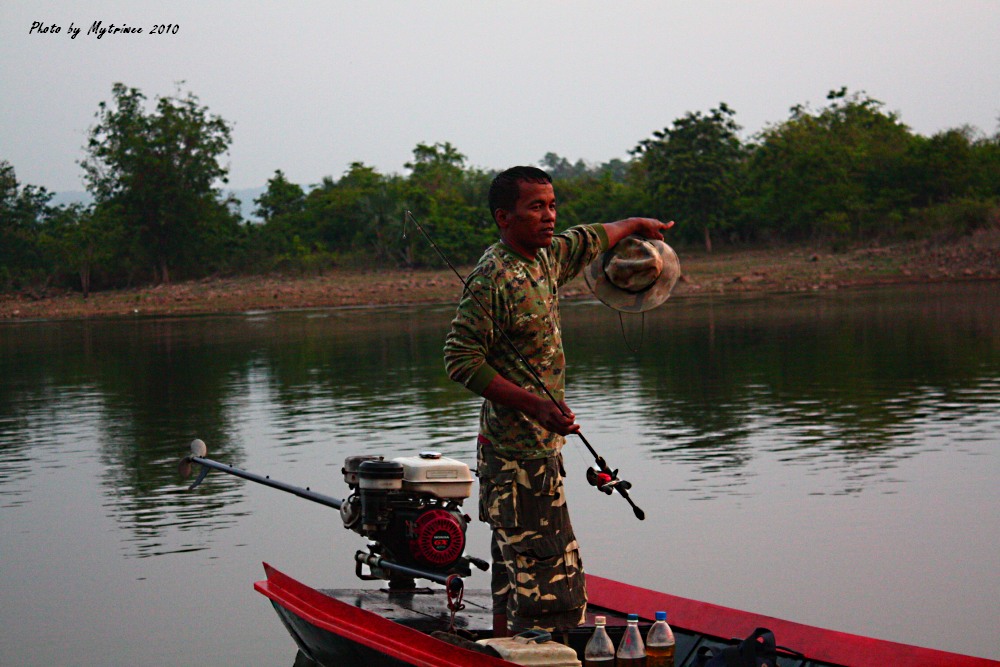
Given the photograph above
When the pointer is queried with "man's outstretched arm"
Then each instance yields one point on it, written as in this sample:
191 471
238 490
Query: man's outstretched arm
648 227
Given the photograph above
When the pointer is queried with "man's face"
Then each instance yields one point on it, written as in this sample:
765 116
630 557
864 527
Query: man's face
532 222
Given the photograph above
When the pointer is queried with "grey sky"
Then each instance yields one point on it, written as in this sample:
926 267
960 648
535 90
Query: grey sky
314 86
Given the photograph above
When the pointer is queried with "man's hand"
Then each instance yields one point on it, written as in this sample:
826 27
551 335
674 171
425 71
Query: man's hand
539 408
561 421
648 227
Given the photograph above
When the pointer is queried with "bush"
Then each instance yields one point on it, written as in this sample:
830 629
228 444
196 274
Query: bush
952 220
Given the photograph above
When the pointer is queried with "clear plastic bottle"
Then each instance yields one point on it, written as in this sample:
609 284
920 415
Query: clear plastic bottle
660 643
631 652
600 651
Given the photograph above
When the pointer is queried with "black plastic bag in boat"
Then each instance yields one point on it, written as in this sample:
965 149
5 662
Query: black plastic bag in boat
757 650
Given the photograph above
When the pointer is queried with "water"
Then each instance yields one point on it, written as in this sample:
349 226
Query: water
828 458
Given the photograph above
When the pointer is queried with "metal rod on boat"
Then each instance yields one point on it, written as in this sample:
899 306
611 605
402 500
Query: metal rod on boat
452 582
612 482
199 450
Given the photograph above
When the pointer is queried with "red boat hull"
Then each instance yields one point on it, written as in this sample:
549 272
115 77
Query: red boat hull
325 615
332 632
820 645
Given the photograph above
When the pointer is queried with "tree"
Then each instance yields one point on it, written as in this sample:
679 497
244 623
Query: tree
280 198
596 199
691 170
834 174
561 169
159 170
341 213
379 210
436 166
448 200
8 187
23 212
80 241
946 166
987 157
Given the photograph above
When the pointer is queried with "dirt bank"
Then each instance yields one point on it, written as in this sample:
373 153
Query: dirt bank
732 271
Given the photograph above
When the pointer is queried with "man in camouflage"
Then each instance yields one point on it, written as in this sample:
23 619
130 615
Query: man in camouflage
537 577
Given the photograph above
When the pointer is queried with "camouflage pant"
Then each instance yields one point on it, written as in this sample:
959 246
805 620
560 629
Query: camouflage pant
537 572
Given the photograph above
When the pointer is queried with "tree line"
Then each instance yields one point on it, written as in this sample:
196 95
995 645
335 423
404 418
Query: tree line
849 172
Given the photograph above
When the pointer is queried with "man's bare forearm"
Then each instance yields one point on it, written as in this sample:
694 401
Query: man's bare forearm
648 227
557 418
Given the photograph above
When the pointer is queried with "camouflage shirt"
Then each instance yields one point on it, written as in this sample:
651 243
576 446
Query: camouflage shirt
522 295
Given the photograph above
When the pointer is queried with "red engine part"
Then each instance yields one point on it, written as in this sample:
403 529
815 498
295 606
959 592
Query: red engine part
438 538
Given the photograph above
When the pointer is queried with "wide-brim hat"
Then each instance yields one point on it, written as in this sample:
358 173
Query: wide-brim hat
634 276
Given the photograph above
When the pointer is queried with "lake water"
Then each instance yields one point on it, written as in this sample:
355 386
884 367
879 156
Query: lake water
831 458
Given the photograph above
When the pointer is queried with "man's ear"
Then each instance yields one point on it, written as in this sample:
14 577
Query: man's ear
502 218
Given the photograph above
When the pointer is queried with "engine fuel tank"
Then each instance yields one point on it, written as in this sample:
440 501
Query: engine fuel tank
437 475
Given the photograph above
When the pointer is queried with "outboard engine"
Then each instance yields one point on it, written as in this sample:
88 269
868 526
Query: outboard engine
410 508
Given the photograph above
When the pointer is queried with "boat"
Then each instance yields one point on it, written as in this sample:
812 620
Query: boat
383 628
409 508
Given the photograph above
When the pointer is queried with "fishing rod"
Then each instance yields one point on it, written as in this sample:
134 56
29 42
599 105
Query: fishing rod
604 478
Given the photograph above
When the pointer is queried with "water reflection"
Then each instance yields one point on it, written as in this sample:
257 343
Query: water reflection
847 381
853 383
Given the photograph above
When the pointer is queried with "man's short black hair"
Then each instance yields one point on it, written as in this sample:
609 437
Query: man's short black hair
506 187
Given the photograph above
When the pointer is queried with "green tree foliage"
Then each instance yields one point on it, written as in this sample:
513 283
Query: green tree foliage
691 170
24 212
69 242
849 172
595 199
360 204
953 164
589 194
449 201
278 241
838 173
561 169
90 238
280 198
158 171
358 216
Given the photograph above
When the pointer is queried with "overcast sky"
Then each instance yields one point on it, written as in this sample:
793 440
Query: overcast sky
313 86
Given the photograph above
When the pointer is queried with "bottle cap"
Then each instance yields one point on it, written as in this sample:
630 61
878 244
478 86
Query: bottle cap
633 617
600 620
661 615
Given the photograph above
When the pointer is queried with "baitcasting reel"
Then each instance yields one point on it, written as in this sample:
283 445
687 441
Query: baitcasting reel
606 480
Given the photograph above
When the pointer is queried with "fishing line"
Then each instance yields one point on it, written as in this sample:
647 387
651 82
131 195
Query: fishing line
605 479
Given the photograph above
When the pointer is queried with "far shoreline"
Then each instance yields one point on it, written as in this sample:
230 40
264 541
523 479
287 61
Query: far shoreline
788 269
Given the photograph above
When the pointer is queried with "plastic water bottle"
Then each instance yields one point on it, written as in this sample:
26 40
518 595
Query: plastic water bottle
631 652
600 651
660 643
